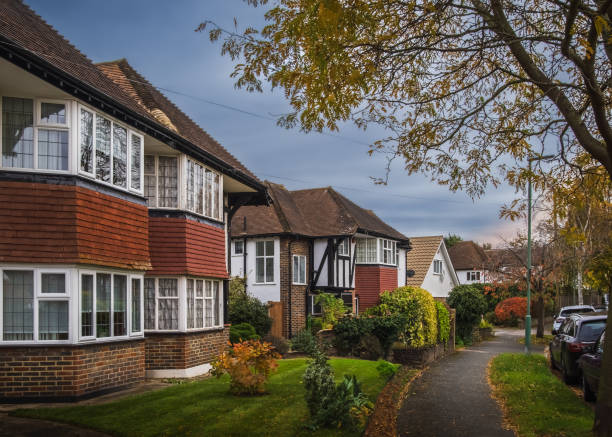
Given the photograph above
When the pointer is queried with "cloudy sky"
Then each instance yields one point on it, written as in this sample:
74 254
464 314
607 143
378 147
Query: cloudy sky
158 39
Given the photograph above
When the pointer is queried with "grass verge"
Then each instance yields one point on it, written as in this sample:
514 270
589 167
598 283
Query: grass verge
205 408
536 403
536 340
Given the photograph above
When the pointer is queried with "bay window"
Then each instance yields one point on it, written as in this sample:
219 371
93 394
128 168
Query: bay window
376 251
387 251
203 190
161 181
264 262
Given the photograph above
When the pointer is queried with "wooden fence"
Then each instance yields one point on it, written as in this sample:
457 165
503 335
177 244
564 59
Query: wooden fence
276 313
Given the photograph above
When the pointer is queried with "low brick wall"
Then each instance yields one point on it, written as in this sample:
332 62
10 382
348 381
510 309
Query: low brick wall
70 372
419 357
183 350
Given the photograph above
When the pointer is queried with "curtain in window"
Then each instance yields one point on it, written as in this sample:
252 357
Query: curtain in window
53 320
18 305
149 303
199 188
208 194
168 304
52 149
17 132
103 305
52 113
199 304
150 181
209 305
190 303
371 250
119 305
87 284
136 293
217 301
86 146
135 164
103 149
167 182
190 185
119 156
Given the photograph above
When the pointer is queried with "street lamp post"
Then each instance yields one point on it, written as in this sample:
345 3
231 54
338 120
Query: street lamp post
528 315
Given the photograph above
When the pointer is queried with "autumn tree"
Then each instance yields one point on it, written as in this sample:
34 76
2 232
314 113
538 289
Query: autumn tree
467 91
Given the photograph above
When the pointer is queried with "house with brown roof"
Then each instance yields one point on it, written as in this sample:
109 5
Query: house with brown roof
470 262
114 223
311 241
428 265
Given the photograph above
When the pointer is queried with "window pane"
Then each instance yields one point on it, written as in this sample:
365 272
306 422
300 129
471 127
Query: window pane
53 320
119 156
103 302
150 180
168 180
209 304
190 186
199 189
52 149
86 138
53 283
53 113
149 303
168 288
18 305
303 270
103 149
199 322
270 269
135 162
215 192
296 269
259 248
190 303
17 132
119 305
136 293
216 302
269 248
168 314
87 283
208 194
259 269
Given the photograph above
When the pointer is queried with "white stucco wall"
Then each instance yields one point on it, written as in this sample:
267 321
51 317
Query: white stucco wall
439 285
264 292
462 274
401 268
319 250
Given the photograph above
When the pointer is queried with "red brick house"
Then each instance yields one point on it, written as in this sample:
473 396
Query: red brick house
314 240
113 227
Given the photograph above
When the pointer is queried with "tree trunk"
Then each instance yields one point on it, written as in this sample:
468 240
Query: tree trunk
579 284
603 410
541 308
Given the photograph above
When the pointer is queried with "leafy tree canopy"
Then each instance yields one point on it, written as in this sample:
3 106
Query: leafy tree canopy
451 240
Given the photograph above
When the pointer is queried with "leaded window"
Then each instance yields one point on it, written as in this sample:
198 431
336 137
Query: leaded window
168 304
18 305
203 190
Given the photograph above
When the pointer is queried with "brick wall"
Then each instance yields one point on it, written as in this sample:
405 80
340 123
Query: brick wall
48 223
289 292
371 281
69 372
180 246
183 350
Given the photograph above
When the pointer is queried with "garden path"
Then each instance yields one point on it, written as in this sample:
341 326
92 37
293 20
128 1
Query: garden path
453 399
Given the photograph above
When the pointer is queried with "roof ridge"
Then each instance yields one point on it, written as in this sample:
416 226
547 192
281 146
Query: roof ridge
282 218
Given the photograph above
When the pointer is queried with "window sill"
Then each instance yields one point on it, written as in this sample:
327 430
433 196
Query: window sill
263 283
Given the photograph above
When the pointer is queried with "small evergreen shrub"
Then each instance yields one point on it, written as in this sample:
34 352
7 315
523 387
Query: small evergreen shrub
242 332
443 322
249 365
348 332
316 324
304 342
469 304
244 308
386 370
510 311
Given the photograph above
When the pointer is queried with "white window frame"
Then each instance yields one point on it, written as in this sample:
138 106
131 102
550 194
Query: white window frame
473 275
179 186
218 195
129 131
437 267
36 125
234 253
301 259
383 245
140 331
389 248
265 256
343 247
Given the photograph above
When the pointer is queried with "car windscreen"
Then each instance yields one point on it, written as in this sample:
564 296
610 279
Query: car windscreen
566 313
590 331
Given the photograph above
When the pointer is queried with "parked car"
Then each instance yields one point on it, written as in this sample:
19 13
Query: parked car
566 311
577 336
590 366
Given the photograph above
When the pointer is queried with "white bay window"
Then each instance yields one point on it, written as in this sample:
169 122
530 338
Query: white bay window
376 251
203 190
161 181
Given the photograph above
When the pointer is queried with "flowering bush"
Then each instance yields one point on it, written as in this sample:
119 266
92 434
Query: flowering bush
511 310
249 365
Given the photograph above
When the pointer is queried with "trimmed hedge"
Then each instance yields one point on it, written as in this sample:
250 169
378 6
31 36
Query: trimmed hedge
443 322
469 304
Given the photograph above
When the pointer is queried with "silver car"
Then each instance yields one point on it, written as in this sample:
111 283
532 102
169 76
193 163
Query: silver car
566 311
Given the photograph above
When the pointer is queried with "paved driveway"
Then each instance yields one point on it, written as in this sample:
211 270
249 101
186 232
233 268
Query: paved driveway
453 399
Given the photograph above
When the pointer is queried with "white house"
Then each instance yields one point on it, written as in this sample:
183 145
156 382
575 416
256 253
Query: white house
470 262
429 266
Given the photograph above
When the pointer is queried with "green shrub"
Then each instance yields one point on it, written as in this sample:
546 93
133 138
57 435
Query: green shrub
418 307
304 342
242 332
385 369
332 307
330 405
443 322
484 324
491 318
316 324
244 308
348 331
469 304
280 344
369 348
388 329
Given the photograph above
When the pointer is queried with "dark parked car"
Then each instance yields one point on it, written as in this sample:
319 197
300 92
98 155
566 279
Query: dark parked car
564 312
590 366
576 336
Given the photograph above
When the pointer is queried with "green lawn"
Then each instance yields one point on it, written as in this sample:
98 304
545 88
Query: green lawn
205 408
537 402
535 340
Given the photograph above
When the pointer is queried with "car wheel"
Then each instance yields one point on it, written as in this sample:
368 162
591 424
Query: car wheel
589 396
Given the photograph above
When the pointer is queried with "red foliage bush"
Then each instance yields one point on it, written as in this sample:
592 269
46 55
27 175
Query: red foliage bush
511 309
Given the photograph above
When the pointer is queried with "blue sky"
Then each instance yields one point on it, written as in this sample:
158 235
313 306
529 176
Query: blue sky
158 39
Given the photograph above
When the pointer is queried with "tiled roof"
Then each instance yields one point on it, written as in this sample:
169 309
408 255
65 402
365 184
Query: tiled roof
420 257
467 255
27 30
315 212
